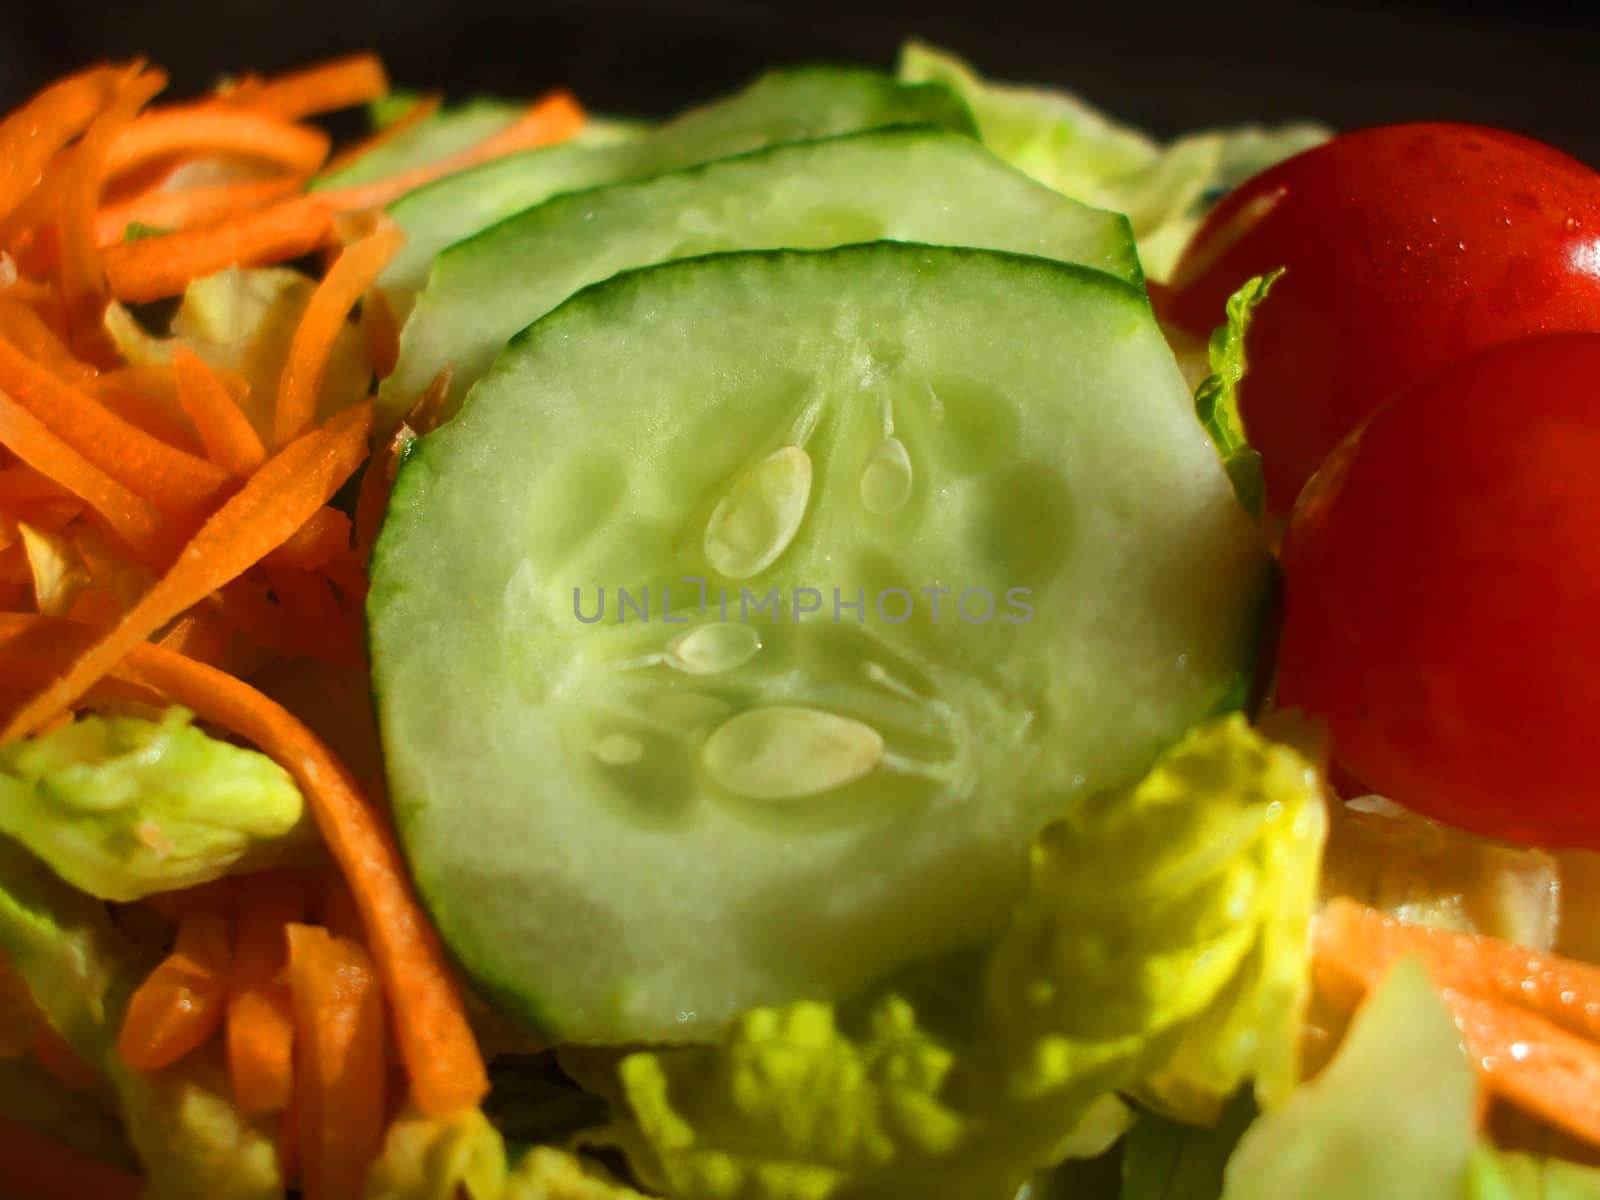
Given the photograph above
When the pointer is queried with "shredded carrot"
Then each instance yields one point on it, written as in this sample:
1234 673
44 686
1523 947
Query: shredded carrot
260 1014
153 267
277 500
161 207
1529 1021
174 482
200 634
147 398
338 913
352 274
181 1003
554 118
83 287
322 628
1531 1063
27 330
314 543
327 87
217 130
381 331
40 1168
31 136
340 1065
135 520
435 1040
1360 940
230 440
417 113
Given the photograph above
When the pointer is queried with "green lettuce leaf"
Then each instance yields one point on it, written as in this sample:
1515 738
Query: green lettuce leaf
1392 1115
1216 400
243 320
1494 1175
122 807
1147 907
1071 146
190 1141
427 1159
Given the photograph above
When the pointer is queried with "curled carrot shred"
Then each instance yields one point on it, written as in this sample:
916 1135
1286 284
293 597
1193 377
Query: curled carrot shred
326 87
181 1003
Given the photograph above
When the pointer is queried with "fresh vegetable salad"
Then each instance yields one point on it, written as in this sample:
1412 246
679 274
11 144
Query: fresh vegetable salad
884 636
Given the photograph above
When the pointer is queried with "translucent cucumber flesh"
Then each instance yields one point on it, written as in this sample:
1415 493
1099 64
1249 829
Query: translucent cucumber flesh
630 830
782 106
915 185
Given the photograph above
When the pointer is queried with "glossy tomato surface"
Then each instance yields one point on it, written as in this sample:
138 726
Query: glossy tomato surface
1407 248
1442 595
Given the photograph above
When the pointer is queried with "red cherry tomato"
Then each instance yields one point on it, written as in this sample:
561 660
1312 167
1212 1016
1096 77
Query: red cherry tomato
1407 248
1442 595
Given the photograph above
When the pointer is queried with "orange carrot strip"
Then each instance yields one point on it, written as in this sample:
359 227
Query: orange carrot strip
314 543
135 520
1362 941
436 1042
323 627
163 207
417 113
217 129
83 286
31 136
40 1168
230 440
338 1014
327 87
27 330
175 482
147 398
21 484
554 118
276 501
260 1013
182 1002
153 267
1532 1063
352 274
381 331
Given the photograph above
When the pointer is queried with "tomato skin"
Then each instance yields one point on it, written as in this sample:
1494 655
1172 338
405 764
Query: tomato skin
1407 247
1442 595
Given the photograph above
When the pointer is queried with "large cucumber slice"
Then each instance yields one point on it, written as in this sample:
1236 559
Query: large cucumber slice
904 184
790 105
632 829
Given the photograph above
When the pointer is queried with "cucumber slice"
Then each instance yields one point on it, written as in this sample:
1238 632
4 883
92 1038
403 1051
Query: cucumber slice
632 829
903 184
791 105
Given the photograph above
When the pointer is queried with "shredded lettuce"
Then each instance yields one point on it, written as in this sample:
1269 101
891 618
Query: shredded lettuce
1392 1115
243 321
1493 1175
1149 911
191 1143
122 807
1071 146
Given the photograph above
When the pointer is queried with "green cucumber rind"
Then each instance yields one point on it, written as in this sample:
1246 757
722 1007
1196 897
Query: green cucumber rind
517 233
479 960
885 101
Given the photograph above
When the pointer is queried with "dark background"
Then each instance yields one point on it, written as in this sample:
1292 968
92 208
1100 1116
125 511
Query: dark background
1533 67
